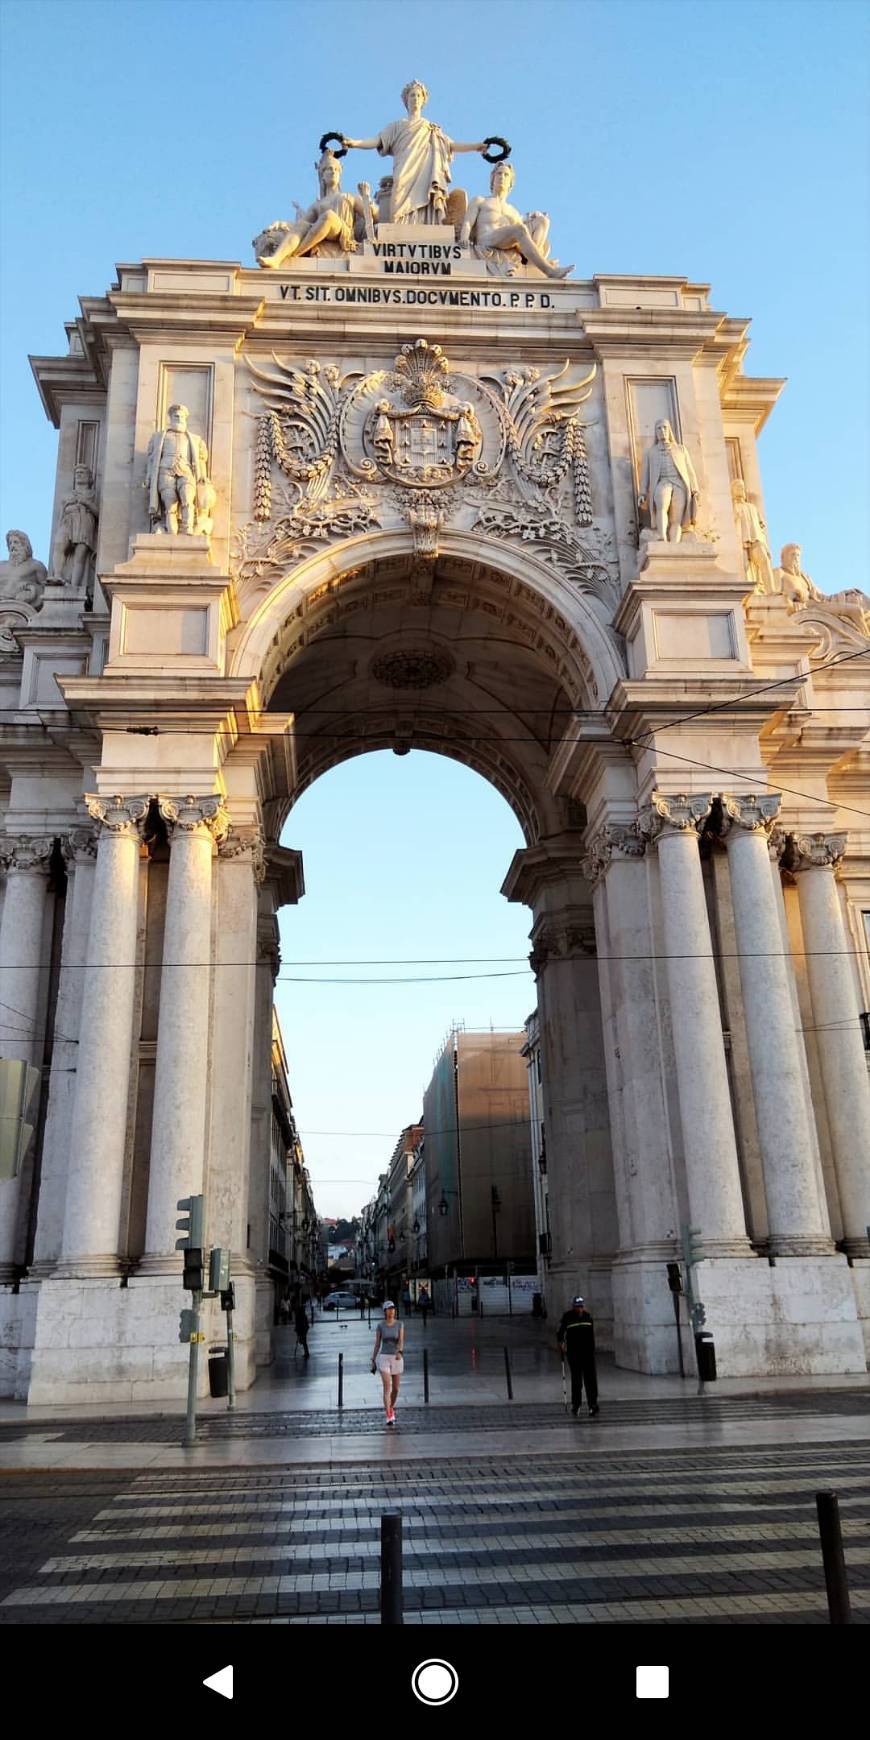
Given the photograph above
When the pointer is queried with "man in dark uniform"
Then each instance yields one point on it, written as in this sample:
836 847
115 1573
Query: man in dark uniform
576 1338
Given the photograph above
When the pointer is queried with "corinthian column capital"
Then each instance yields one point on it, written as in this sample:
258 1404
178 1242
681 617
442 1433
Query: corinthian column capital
678 813
751 814
189 815
24 852
815 851
80 845
118 815
615 839
248 844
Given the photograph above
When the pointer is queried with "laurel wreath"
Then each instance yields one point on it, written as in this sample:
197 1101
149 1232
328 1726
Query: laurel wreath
502 155
325 144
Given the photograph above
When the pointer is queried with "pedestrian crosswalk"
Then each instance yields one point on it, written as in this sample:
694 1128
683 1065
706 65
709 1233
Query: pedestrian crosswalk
713 1536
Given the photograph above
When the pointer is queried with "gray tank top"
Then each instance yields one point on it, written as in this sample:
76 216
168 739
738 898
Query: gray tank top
390 1337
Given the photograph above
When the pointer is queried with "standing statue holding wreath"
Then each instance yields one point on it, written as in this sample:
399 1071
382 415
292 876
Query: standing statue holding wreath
422 155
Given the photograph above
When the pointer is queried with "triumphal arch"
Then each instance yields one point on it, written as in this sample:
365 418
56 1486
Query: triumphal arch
404 481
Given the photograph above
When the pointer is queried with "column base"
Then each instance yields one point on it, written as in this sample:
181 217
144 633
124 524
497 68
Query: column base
856 1248
783 1246
92 1342
87 1268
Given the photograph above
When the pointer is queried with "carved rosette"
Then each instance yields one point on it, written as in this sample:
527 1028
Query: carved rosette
751 814
681 813
118 815
815 851
191 815
23 852
623 840
247 845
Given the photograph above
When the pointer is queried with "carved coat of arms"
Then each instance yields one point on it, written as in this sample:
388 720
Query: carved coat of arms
420 433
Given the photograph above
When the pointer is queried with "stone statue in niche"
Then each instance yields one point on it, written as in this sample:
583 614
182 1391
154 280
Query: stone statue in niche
22 577
501 234
668 486
422 155
382 434
75 546
752 537
180 493
334 225
796 587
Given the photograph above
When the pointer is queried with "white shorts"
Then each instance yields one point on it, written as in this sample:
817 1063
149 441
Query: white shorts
392 1363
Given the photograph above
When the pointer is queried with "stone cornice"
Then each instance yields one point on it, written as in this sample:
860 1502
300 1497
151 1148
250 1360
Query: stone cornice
533 867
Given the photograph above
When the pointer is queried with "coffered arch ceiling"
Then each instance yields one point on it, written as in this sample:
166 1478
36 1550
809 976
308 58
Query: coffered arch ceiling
448 656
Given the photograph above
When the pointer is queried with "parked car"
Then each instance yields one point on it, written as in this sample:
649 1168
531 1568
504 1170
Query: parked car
341 1302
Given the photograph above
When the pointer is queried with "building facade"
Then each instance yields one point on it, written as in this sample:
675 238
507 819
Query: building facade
413 464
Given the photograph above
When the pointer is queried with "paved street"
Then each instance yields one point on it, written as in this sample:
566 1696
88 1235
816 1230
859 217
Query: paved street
715 1537
668 1508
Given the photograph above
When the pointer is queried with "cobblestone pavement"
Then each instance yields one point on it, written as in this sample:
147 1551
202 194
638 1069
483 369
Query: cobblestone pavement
713 1536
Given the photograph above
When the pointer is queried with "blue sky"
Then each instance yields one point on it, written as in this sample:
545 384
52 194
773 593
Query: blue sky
728 142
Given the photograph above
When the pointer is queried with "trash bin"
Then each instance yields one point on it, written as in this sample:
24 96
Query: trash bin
705 1352
218 1375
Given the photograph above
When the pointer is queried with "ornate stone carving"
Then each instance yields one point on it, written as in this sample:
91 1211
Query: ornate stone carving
25 852
80 845
334 225
814 851
565 939
796 587
503 237
22 583
187 815
75 546
623 839
677 813
668 486
298 431
269 942
555 542
180 493
422 155
777 841
752 537
752 814
852 606
120 815
261 555
406 668
248 843
542 433
419 434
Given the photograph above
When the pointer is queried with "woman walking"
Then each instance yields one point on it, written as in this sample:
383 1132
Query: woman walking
387 1358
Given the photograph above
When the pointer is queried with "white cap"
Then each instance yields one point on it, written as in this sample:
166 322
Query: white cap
578 1300
389 1305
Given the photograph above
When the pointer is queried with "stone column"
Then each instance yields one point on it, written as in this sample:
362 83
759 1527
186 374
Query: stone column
615 867
80 850
709 1144
22 968
181 1076
98 1133
239 872
798 1223
812 859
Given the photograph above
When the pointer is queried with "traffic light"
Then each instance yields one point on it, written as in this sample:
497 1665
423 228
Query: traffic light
219 1270
675 1279
692 1251
192 1223
228 1298
192 1226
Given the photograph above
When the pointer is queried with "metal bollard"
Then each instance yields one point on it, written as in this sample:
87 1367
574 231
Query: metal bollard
507 1373
425 1374
341 1380
391 1570
839 1608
